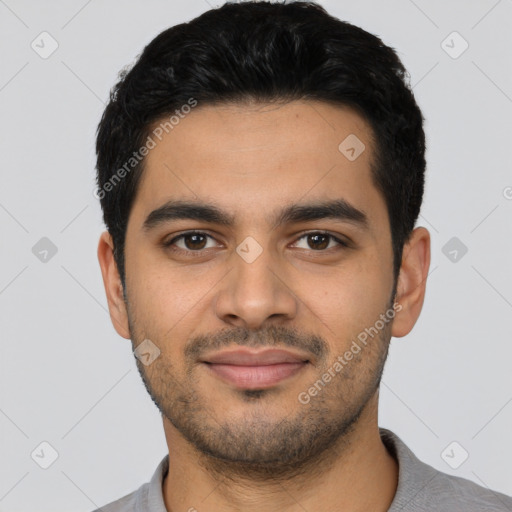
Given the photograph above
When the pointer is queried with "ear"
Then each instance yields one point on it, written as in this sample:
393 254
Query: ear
412 281
113 285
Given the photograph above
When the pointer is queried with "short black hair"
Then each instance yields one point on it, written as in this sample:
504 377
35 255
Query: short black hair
265 52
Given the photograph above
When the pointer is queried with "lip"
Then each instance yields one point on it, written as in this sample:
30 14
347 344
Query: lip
246 369
244 357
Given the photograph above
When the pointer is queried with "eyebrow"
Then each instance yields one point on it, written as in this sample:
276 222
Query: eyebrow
338 209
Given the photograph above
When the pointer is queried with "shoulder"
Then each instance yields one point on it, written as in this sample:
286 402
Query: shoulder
147 498
468 495
422 488
127 503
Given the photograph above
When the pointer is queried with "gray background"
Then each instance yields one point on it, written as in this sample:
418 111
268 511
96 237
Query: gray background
68 379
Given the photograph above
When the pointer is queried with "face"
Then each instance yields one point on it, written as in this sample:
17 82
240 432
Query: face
259 286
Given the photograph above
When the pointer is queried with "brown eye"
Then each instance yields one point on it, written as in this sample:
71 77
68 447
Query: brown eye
189 242
194 241
319 241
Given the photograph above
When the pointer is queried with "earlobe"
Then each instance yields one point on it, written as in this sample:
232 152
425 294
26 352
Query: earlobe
113 285
412 281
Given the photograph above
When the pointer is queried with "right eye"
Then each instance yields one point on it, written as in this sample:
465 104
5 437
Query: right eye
190 241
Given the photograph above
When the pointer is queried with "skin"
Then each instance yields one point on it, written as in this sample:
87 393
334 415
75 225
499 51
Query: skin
232 450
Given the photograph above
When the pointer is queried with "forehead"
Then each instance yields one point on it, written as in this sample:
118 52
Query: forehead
249 159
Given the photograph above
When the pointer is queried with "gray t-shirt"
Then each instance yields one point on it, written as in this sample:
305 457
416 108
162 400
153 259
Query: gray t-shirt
421 488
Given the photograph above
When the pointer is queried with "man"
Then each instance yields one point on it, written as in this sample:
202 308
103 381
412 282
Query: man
261 170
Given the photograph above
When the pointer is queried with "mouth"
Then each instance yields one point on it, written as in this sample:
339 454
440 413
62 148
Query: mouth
247 369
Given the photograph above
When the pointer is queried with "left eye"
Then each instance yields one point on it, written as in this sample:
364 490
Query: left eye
320 241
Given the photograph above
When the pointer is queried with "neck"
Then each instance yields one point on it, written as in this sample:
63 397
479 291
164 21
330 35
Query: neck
357 474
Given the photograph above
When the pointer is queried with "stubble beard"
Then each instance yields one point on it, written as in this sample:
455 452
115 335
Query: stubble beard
258 447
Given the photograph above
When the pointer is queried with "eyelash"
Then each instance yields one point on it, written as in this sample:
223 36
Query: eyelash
168 245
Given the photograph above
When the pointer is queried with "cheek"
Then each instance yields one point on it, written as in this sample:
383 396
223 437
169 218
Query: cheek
349 300
166 300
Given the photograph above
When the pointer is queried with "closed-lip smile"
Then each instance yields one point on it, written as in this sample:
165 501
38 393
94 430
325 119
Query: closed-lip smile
250 369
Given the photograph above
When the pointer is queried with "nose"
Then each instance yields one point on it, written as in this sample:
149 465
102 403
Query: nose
256 292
